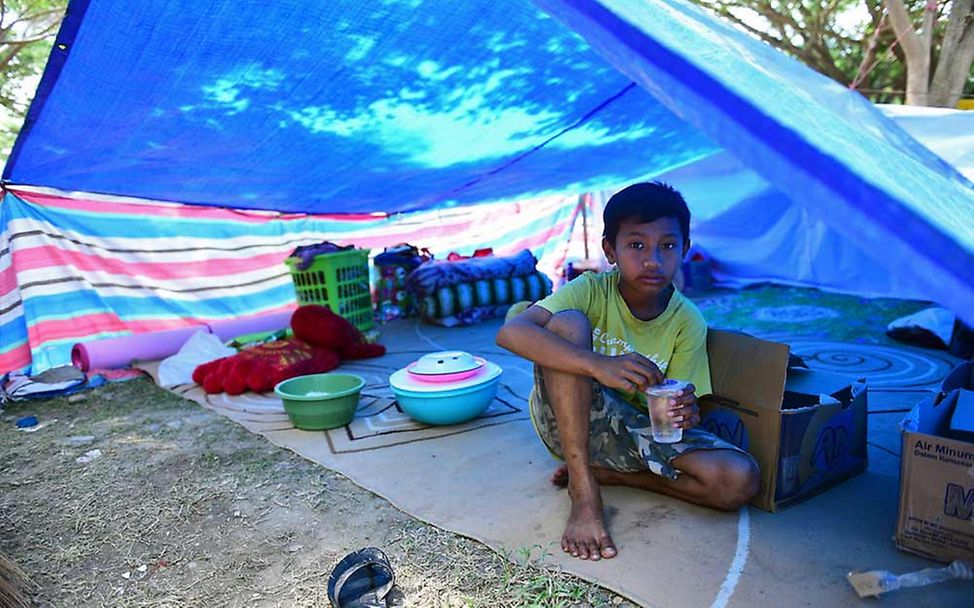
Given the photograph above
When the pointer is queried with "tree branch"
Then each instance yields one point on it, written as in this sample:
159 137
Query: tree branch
780 43
821 59
49 24
772 14
40 36
900 20
8 55
869 56
39 16
875 9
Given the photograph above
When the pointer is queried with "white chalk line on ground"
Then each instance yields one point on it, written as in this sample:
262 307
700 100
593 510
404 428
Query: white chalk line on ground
423 337
740 559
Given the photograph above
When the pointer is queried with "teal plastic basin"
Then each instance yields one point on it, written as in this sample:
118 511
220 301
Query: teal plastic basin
448 406
320 401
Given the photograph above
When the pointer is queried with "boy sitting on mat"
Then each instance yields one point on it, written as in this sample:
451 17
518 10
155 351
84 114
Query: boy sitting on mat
597 344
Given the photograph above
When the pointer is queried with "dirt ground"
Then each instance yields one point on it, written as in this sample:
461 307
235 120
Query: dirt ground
185 508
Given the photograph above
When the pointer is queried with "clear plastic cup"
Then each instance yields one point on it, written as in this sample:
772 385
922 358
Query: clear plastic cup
658 402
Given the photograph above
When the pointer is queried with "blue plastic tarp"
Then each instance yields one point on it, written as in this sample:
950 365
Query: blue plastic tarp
338 106
754 234
345 106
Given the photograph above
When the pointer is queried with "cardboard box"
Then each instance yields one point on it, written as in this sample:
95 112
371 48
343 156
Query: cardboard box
806 429
936 513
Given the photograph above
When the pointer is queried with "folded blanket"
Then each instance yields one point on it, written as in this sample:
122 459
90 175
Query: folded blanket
431 276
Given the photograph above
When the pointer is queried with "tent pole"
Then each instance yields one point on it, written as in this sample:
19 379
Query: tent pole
583 202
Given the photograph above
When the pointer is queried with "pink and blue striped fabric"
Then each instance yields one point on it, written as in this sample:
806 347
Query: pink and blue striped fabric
75 268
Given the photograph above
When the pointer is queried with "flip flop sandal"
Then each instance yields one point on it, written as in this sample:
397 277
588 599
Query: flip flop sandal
364 579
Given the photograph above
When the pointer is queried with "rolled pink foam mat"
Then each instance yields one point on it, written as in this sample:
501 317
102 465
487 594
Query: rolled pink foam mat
228 330
120 352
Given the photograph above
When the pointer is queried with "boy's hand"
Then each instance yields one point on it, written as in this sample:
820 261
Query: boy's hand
683 408
629 372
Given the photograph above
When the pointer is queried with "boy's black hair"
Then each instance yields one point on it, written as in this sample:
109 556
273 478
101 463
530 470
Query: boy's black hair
645 202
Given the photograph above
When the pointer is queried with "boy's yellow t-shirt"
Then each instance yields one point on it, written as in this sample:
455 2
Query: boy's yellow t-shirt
676 340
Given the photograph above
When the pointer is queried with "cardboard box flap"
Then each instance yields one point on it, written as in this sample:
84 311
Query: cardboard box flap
747 370
816 382
933 415
961 376
911 421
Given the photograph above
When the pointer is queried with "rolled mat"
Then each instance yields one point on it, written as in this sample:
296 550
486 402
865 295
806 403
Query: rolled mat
120 352
228 330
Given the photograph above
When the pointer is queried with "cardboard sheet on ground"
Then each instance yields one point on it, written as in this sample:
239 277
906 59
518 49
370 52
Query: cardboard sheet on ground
488 479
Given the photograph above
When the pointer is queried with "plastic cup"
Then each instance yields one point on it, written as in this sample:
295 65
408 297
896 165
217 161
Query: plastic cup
658 402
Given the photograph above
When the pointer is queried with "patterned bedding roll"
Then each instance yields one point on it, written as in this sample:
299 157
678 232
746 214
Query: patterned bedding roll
469 303
431 276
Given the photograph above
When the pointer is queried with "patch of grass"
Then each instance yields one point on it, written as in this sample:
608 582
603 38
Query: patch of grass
462 572
186 508
527 584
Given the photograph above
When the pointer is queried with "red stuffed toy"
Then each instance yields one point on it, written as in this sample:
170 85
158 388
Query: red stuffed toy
321 341
318 326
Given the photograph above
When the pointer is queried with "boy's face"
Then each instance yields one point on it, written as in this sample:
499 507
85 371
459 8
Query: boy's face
648 254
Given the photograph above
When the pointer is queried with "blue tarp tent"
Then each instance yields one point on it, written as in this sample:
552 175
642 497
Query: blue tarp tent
754 233
406 105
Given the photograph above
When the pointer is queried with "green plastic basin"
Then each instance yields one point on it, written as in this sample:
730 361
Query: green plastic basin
320 401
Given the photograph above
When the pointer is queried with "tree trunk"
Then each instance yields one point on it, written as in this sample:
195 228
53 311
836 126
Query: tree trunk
916 48
869 55
956 56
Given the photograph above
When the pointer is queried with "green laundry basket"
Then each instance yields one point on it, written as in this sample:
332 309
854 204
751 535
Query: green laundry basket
339 281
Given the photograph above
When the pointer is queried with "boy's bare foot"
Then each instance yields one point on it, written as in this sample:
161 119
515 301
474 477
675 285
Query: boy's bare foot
560 477
585 535
603 476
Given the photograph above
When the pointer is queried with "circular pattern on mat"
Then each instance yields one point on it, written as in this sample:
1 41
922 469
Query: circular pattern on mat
250 403
882 366
797 313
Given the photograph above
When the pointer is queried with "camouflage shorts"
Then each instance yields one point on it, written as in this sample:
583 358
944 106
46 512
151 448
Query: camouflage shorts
620 437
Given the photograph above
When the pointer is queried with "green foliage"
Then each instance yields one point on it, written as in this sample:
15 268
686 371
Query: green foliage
836 38
27 30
